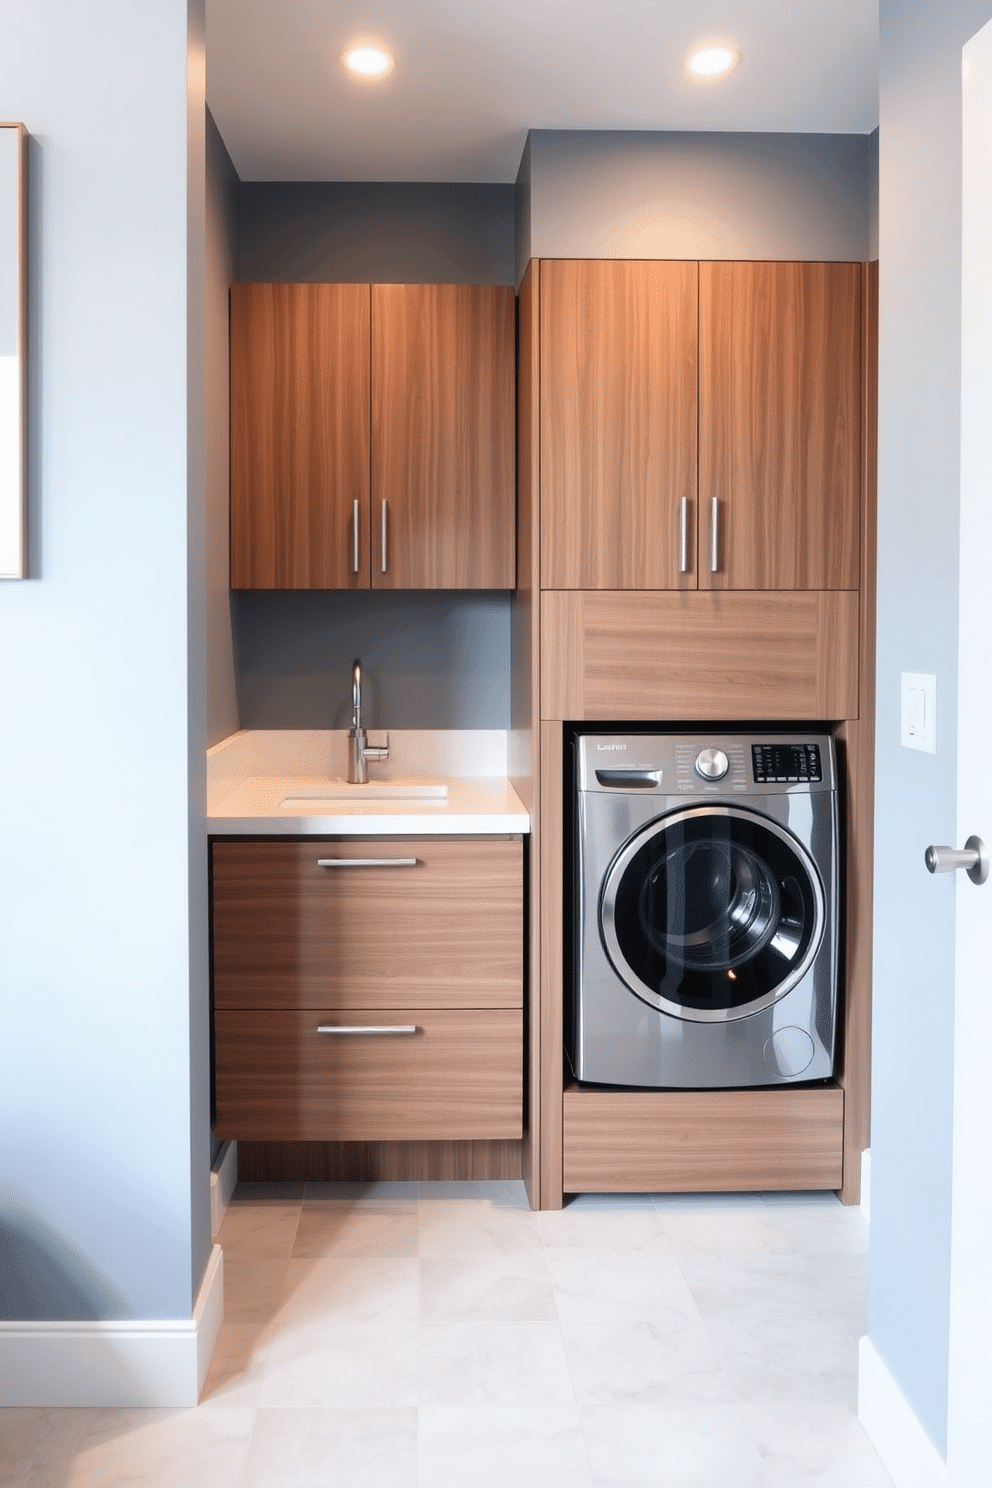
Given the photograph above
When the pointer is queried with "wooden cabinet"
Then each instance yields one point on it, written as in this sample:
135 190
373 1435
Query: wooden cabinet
700 425
300 421
780 361
618 423
372 436
419 938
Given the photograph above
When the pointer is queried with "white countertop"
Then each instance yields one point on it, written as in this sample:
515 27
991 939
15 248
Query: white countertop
250 773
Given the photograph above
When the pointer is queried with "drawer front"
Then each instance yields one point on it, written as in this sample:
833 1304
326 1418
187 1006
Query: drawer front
443 927
457 1076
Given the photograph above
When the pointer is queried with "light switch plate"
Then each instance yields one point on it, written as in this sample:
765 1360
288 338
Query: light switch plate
918 729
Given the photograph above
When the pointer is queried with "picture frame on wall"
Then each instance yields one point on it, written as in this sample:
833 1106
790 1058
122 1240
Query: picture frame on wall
13 350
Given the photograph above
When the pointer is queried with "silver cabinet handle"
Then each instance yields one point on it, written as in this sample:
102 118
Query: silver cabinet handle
714 535
354 537
366 862
377 1028
384 548
684 535
973 858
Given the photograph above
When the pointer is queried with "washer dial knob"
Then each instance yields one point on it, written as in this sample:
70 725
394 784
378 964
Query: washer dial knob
712 764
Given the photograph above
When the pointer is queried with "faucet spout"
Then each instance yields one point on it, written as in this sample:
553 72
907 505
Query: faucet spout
356 693
359 749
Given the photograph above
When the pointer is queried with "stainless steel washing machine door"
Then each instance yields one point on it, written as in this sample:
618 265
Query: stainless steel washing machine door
711 913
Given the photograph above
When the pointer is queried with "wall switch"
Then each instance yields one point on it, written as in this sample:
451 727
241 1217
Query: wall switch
919 712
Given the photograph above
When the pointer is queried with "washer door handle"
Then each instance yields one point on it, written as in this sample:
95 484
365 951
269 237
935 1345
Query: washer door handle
973 858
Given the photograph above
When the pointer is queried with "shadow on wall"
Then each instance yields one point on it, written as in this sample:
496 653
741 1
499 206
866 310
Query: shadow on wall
430 660
43 1278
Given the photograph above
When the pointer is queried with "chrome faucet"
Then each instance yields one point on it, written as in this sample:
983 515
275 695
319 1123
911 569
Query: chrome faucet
359 749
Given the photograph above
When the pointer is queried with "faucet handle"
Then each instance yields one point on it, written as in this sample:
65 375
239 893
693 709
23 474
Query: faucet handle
377 751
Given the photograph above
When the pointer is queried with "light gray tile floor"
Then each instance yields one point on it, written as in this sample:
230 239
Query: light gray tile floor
432 1335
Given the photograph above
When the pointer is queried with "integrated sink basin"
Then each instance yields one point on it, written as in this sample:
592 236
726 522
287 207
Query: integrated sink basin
373 790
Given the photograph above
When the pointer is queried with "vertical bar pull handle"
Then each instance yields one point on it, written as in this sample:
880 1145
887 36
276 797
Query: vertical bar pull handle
385 550
354 537
714 536
684 535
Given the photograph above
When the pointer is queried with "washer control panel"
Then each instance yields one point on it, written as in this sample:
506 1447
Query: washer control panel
790 764
701 765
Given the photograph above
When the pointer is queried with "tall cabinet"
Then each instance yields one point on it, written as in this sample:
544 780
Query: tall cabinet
695 515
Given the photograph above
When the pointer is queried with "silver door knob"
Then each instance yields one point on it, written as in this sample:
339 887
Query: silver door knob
973 858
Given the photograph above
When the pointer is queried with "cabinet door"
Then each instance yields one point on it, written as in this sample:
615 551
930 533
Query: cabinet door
618 424
780 425
321 924
443 467
300 436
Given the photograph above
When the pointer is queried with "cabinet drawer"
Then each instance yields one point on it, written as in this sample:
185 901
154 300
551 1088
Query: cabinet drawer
446 931
458 1076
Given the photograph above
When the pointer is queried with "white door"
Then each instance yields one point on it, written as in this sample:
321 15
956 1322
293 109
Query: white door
969 1440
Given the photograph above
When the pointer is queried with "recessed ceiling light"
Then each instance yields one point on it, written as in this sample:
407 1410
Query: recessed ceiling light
711 61
367 59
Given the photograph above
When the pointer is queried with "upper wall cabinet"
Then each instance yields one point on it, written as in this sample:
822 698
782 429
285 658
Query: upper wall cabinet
372 436
779 425
618 424
700 425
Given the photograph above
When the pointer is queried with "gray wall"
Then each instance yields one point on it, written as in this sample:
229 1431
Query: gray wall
431 660
387 234
919 398
104 1163
674 195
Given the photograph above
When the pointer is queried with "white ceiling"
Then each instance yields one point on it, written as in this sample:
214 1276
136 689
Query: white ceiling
471 78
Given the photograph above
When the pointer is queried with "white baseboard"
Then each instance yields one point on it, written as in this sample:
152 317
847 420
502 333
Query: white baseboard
156 1363
866 1184
907 1453
223 1180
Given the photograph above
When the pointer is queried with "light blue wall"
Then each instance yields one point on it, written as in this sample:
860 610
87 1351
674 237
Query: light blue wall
104 1162
919 396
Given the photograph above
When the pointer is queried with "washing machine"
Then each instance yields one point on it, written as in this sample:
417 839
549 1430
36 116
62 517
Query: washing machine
706 909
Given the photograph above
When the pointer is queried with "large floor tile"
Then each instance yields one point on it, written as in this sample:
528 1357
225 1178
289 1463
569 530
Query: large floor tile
342 1230
253 1289
618 1230
644 1363
378 1191
687 1446
380 1290
794 1359
349 1364
469 1228
259 1229
237 1366
709 1227
764 1288
38 1444
815 1445
490 1289
508 1447
160 1448
493 1364
333 1448
502 1193
598 1286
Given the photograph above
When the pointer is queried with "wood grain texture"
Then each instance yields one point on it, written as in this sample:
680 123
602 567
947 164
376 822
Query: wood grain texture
300 368
525 709
459 1076
780 406
443 435
445 933
552 967
371 1162
856 744
699 1141
700 655
618 422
